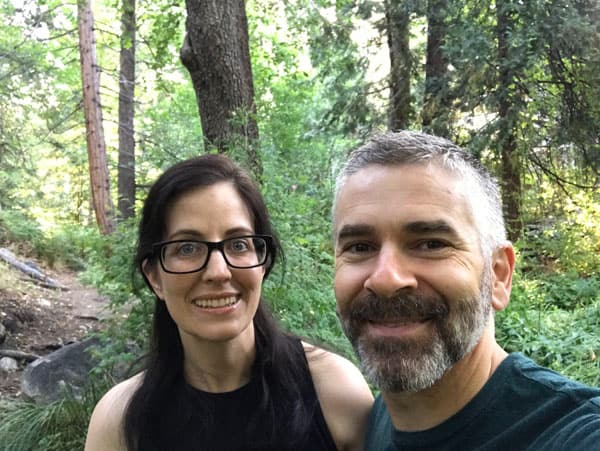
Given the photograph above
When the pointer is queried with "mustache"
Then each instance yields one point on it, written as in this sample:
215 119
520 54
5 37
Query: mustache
401 306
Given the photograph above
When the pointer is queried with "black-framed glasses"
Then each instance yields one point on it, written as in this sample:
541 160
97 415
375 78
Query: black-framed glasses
187 256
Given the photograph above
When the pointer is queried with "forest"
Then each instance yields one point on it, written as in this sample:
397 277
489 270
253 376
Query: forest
98 98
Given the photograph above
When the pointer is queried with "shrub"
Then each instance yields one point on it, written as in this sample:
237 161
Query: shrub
554 319
59 426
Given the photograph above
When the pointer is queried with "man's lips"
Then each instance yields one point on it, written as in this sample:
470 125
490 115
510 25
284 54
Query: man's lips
400 329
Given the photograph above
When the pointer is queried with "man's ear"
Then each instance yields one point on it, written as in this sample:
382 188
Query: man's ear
151 273
503 265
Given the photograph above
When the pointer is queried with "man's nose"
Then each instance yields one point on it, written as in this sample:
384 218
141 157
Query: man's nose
392 271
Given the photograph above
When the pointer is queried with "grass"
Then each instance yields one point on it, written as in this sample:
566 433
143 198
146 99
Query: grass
59 426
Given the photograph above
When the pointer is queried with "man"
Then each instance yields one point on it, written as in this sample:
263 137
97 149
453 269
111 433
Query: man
421 264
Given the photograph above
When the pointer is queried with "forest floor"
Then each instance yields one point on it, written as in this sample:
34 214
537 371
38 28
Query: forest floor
39 320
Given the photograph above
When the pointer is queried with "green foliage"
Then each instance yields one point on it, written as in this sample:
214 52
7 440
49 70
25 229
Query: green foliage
554 313
165 20
16 227
336 73
554 319
170 131
68 246
577 240
300 293
110 269
59 426
563 233
312 98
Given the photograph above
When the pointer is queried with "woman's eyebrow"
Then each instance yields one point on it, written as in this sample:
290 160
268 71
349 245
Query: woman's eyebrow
193 234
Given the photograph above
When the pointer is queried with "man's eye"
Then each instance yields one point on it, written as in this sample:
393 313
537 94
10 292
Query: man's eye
432 245
357 249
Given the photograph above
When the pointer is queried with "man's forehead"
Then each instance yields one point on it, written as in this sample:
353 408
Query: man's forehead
375 179
417 191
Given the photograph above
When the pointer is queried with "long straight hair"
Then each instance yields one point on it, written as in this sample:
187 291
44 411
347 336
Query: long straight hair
280 363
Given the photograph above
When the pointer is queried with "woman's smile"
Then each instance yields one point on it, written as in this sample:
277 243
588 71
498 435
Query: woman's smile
216 303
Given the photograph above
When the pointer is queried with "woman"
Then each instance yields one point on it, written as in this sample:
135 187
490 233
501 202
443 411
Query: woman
221 375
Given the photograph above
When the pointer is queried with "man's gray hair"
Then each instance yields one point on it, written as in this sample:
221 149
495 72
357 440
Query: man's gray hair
415 148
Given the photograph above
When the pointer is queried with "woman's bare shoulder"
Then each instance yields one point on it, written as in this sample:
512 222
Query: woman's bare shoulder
105 428
344 395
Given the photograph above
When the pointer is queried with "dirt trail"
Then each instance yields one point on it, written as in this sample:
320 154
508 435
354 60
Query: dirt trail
40 320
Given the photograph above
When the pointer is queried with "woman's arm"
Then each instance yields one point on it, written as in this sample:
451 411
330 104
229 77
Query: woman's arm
105 431
344 396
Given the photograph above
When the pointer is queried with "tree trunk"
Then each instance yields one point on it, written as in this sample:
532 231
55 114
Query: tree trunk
126 171
435 114
32 271
507 115
92 109
216 53
397 15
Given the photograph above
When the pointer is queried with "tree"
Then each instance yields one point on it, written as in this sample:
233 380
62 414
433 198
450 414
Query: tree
216 53
570 32
397 15
126 171
92 109
341 104
436 108
508 119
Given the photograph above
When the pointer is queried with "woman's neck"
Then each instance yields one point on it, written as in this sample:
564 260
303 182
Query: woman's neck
218 367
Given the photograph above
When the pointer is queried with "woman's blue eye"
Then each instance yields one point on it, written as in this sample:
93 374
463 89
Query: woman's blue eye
188 248
240 245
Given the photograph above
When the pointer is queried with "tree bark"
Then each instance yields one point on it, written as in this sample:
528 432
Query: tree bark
90 76
397 15
216 53
20 355
435 114
126 169
507 115
36 274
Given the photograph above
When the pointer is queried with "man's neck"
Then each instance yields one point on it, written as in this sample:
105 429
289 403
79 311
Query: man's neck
428 408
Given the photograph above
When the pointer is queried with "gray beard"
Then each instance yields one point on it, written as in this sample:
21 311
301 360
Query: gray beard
411 365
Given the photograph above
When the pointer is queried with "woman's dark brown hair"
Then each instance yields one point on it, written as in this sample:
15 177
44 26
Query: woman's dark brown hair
156 410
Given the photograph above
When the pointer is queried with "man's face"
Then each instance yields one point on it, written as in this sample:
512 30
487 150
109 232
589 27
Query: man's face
412 289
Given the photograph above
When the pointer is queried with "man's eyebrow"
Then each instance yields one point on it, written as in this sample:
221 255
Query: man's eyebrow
426 227
354 230
414 227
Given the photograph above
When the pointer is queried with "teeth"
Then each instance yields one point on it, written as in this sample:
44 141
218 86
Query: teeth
215 303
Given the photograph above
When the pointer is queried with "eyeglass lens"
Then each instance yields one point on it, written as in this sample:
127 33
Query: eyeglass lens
188 256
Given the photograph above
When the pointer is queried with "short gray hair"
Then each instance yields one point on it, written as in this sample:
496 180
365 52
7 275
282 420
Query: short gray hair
409 147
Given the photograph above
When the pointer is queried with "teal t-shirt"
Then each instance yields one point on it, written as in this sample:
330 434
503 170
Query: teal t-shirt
522 407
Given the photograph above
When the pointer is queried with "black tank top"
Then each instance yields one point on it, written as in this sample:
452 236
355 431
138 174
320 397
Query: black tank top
229 422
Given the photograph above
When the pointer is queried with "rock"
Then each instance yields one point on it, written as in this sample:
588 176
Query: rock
8 364
2 333
12 324
45 379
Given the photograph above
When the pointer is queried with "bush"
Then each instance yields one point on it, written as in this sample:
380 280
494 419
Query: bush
567 241
59 426
554 319
21 231
110 269
68 245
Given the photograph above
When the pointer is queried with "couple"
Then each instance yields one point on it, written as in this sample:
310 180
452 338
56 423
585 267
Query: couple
421 265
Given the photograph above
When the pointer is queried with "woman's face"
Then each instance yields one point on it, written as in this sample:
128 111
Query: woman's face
217 303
